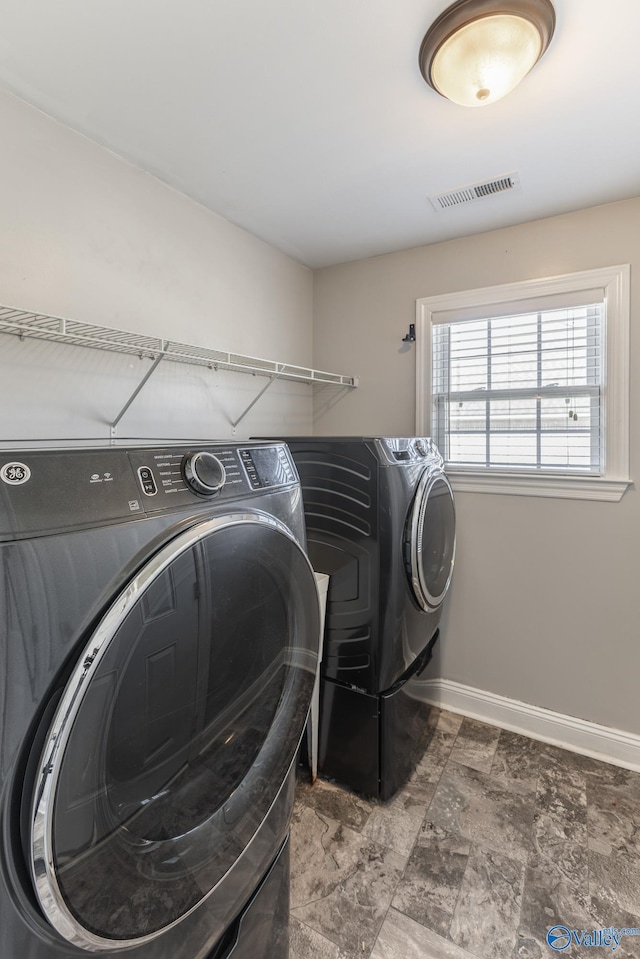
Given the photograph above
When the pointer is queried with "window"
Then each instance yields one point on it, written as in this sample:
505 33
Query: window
524 387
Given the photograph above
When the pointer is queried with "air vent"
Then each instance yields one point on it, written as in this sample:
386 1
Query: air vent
475 191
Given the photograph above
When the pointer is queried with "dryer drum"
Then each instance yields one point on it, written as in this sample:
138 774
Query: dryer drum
175 732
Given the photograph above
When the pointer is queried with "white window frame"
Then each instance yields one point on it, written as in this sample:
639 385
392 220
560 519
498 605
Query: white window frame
614 283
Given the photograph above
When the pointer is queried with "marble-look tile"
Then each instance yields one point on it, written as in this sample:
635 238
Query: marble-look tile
561 801
475 745
394 827
556 891
342 883
489 811
485 920
430 767
614 881
517 758
336 802
564 767
403 938
414 798
343 880
598 771
449 721
529 949
429 888
566 861
306 943
613 819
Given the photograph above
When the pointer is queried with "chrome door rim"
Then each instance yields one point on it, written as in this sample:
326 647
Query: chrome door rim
423 596
43 871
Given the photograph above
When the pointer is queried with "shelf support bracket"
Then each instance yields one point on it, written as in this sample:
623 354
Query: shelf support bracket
147 376
272 378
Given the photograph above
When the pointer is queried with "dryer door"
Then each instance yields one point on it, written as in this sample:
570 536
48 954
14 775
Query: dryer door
175 731
431 539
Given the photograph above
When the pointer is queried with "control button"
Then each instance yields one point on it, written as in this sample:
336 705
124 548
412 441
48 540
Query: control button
204 473
421 449
147 481
250 467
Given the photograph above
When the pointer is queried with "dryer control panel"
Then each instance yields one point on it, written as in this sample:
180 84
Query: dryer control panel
409 450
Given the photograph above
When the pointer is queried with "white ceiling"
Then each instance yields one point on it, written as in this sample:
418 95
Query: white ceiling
307 122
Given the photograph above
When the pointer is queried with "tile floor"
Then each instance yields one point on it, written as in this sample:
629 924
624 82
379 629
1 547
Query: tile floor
496 839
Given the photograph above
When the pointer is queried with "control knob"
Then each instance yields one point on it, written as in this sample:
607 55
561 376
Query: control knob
203 472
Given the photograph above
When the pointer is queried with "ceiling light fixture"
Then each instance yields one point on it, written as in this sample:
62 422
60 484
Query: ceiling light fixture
477 51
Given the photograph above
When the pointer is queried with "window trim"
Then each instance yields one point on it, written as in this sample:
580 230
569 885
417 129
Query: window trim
615 283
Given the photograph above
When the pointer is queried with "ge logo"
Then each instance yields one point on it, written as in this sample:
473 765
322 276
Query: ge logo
559 938
15 473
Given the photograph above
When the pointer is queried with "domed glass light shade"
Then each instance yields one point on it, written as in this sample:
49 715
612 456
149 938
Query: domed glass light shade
477 51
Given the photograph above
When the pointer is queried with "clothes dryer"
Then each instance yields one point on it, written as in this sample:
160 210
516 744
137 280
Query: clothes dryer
159 624
380 521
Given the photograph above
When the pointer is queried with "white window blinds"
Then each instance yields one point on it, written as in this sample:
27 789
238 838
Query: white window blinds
522 391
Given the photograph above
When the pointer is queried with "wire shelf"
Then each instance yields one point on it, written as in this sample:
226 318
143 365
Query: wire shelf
40 326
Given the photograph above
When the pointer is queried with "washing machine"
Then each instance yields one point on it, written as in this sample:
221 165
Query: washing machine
159 624
380 520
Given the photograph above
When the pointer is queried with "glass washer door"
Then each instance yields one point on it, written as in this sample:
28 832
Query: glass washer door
431 531
175 731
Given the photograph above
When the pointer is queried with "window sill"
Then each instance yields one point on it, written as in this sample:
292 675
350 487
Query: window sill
558 487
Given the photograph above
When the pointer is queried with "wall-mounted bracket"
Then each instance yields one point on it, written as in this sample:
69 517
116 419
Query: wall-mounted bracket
253 402
410 337
159 358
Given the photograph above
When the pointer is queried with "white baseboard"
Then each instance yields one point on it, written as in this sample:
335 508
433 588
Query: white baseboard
578 735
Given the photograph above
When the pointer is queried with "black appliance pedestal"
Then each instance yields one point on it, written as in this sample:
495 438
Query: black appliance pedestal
373 743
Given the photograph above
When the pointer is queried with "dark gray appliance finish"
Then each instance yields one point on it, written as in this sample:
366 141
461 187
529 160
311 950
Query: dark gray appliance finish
158 633
380 520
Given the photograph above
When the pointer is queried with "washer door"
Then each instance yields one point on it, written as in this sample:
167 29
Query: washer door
175 731
431 536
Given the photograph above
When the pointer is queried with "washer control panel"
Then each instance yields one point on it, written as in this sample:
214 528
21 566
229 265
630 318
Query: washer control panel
176 476
44 491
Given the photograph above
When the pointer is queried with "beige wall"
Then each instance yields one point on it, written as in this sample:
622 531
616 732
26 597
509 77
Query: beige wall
544 604
85 235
